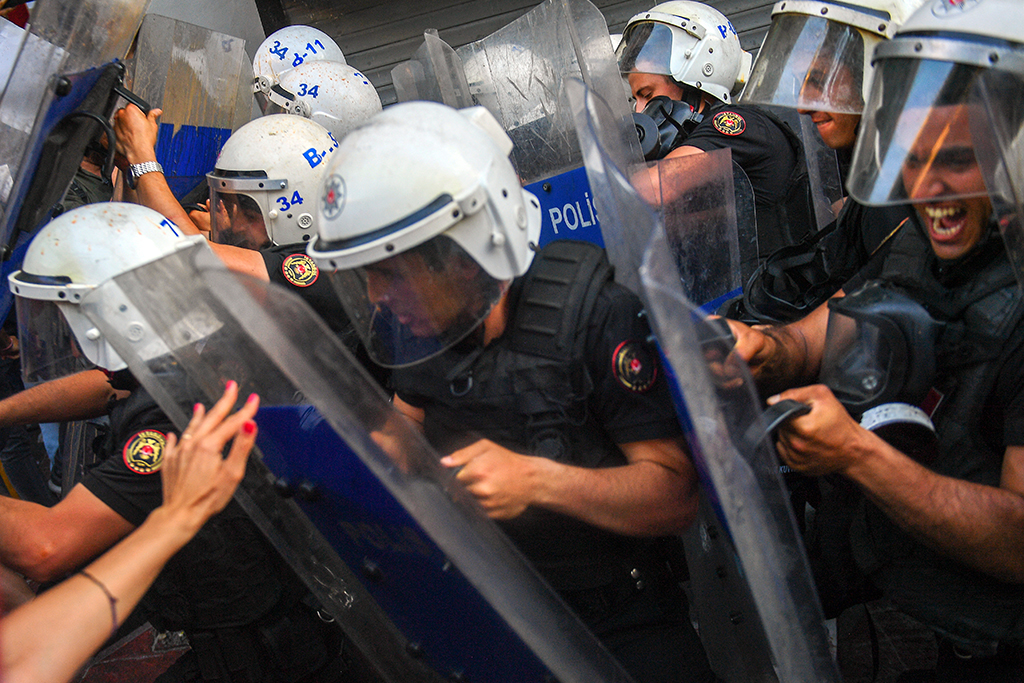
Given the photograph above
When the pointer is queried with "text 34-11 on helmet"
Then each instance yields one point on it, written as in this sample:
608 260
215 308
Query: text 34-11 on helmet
287 49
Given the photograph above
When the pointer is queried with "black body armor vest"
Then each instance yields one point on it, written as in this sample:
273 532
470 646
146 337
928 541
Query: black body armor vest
528 391
796 279
979 301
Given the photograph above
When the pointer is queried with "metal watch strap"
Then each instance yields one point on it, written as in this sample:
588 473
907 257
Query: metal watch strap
136 171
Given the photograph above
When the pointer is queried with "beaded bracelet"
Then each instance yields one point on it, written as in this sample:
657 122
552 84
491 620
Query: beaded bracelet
110 597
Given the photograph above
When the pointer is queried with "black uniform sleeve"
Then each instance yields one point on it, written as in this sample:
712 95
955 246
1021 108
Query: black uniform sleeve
631 394
290 267
758 146
128 481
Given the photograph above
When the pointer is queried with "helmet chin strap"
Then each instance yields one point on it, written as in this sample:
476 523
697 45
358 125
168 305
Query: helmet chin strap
691 96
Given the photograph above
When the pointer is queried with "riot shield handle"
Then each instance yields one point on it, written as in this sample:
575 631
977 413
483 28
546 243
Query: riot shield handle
64 145
782 411
132 98
774 417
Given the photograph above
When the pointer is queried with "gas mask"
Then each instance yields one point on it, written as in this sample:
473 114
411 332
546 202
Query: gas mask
663 125
880 363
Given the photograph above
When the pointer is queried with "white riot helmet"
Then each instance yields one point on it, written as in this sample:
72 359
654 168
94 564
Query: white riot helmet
817 53
690 42
332 94
425 223
67 260
286 49
266 181
946 107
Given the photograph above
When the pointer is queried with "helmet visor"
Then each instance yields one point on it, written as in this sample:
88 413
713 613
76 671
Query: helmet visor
811 63
917 139
281 101
48 347
412 306
1000 152
236 219
646 47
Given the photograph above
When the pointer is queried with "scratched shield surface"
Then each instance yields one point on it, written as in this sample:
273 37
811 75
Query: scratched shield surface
202 80
424 584
517 73
751 586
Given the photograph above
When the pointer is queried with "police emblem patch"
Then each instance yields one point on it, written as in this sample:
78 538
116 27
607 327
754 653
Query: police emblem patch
729 123
300 270
334 197
144 452
634 366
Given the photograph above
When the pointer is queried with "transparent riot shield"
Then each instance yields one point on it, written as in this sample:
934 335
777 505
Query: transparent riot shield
433 74
751 585
11 37
397 551
53 104
202 80
693 197
733 450
822 173
517 73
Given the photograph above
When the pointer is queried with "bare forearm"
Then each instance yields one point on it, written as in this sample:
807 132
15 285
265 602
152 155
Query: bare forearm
980 526
14 590
80 611
792 356
246 261
21 548
46 543
153 191
80 396
639 499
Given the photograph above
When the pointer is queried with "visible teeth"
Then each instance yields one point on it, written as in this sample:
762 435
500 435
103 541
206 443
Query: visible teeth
937 214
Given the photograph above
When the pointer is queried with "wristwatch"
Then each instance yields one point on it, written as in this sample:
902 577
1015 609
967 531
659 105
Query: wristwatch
136 171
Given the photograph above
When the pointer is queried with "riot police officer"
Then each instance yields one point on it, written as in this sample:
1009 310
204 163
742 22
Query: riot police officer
245 613
256 228
531 372
940 538
684 64
333 94
286 49
816 59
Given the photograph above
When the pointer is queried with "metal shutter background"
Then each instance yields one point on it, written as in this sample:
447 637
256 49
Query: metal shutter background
376 36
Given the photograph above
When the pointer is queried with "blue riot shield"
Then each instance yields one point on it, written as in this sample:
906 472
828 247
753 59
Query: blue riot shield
517 72
55 101
202 80
754 599
424 584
